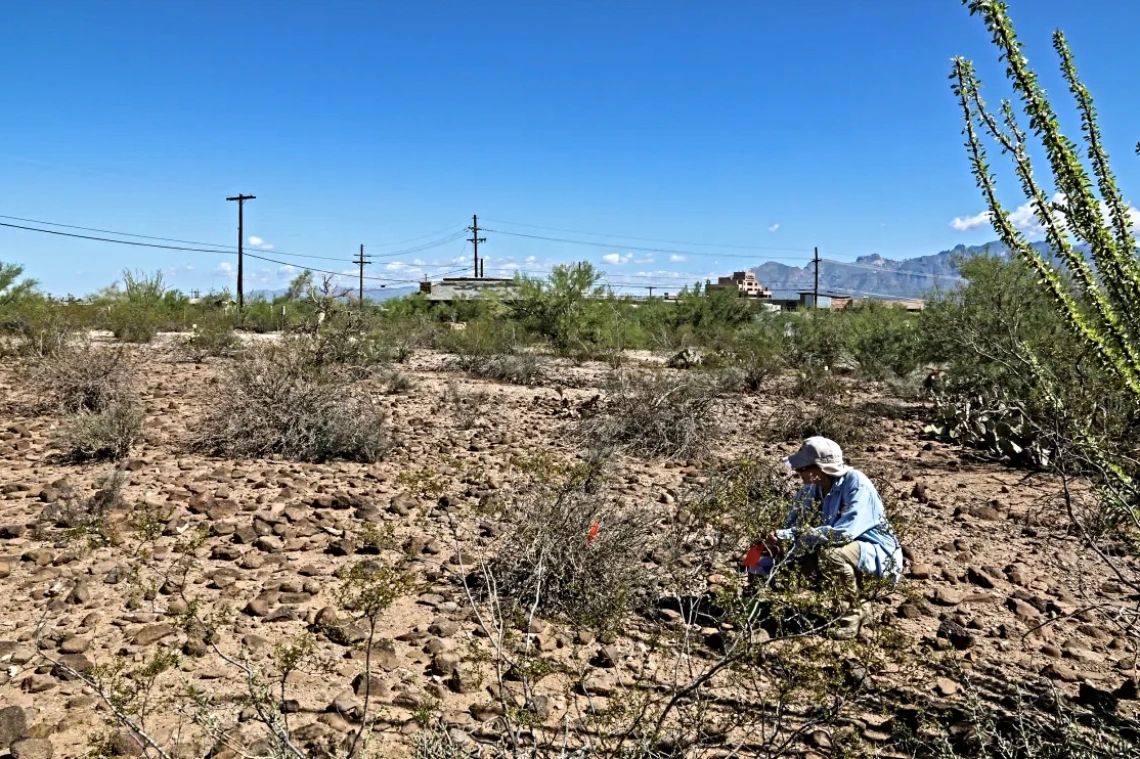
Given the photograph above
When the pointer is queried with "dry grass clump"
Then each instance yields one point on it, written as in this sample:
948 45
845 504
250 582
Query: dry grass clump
84 377
512 368
844 424
656 414
105 435
275 402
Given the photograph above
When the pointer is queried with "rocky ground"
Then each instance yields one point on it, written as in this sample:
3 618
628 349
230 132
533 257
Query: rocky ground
996 583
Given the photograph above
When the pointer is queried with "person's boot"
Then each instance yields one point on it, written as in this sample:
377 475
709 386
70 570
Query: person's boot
849 625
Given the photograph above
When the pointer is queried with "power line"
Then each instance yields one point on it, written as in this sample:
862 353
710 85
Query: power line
214 248
615 246
448 228
647 239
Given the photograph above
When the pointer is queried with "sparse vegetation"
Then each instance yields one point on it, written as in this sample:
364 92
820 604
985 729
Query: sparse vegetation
108 434
275 402
84 377
658 414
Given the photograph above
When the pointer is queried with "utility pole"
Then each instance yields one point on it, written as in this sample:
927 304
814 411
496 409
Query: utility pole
651 292
362 261
475 239
482 268
815 301
241 199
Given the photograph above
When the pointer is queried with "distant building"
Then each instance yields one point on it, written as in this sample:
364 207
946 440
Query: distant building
744 281
451 289
826 300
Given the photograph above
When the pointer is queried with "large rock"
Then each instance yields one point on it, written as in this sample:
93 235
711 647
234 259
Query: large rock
31 748
13 725
152 634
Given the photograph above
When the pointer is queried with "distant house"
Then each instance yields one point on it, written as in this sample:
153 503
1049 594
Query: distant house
826 300
744 281
451 289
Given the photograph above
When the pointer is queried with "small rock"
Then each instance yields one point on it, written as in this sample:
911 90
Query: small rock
945 687
947 597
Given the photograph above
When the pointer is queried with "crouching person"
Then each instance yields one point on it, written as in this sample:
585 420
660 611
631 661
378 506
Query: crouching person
854 539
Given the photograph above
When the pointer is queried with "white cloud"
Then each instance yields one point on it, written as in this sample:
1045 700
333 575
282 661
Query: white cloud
678 259
774 227
257 242
966 223
225 267
617 258
1025 219
530 259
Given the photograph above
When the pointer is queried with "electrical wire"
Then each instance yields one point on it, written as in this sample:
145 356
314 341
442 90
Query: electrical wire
648 239
615 246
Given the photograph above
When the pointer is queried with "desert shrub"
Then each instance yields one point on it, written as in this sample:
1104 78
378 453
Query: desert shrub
86 517
213 337
345 341
569 311
817 340
135 322
465 408
84 377
741 502
882 340
572 553
512 368
656 414
104 435
817 383
846 425
275 402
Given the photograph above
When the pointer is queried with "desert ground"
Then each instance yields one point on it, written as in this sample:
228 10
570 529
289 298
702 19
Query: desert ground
995 600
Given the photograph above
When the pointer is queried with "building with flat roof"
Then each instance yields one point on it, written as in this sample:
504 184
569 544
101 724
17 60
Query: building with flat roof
469 288
744 281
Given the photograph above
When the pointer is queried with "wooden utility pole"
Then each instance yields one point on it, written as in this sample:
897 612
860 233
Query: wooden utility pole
815 299
650 292
241 199
362 261
475 239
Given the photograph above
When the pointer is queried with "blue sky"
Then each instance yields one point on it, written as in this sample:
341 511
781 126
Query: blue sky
779 126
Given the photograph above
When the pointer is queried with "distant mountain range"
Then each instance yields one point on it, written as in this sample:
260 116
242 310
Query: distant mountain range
874 275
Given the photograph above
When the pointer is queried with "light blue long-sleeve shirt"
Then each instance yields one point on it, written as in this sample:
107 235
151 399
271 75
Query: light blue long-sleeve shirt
852 510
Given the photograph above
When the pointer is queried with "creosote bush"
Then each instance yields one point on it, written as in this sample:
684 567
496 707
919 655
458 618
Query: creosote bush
105 435
84 377
570 552
842 423
656 414
275 402
213 337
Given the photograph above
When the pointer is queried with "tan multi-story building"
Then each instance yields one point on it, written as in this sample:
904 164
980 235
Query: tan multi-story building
745 282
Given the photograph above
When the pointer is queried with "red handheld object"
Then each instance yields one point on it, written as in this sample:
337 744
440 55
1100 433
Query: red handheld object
752 558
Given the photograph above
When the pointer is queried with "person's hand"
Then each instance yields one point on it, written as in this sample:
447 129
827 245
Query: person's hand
772 543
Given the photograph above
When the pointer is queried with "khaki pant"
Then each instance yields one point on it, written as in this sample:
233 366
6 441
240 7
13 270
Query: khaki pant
839 567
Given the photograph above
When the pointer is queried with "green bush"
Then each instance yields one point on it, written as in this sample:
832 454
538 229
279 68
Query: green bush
882 340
